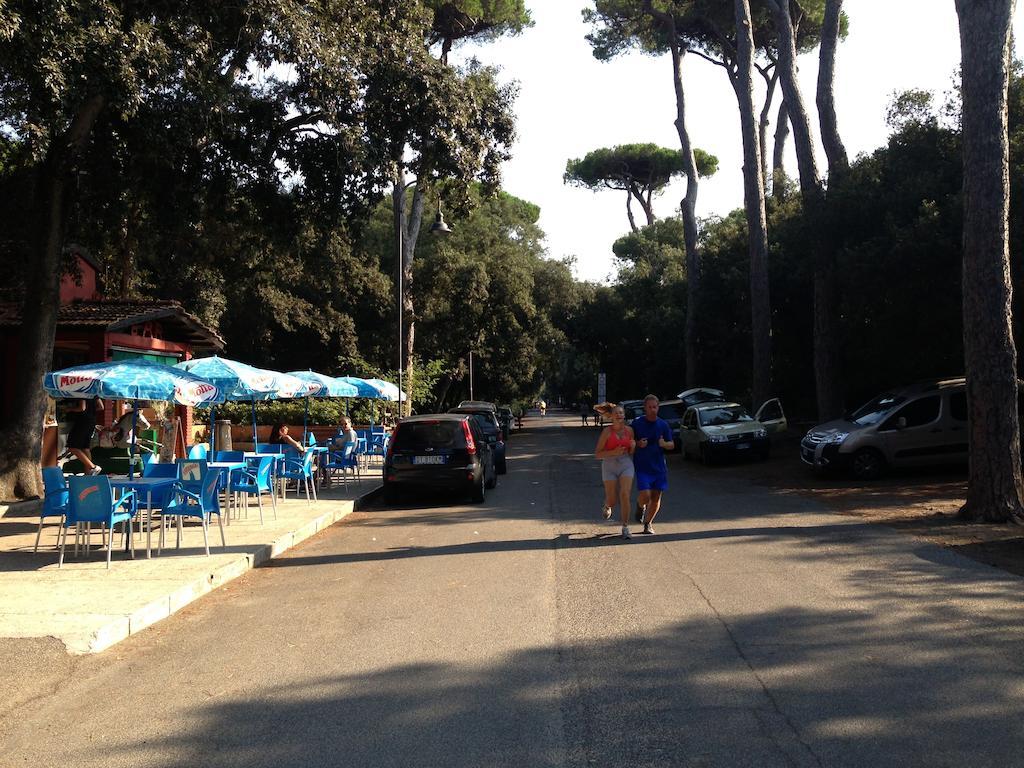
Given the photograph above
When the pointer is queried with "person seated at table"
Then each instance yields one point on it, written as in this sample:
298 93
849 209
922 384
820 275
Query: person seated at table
345 434
83 422
279 436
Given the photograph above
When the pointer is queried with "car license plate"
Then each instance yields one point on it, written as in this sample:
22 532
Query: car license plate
741 446
428 459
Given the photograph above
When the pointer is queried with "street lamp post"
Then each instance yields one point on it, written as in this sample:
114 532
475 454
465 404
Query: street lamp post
437 228
471 374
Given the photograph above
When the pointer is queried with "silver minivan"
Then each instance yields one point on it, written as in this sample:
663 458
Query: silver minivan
919 425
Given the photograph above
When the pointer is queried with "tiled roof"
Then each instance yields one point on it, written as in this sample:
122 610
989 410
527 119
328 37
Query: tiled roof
116 315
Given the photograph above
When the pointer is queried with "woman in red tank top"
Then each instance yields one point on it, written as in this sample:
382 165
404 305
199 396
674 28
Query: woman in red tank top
615 448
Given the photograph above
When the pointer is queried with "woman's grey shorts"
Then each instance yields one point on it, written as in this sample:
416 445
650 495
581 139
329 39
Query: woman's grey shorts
614 468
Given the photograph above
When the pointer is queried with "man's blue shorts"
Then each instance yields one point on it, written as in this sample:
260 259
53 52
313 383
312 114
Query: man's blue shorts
651 482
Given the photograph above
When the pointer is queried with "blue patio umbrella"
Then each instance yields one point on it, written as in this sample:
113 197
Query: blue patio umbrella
322 386
238 381
132 380
288 387
388 390
363 387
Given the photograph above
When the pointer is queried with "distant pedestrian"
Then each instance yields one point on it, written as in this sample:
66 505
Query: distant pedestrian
543 408
653 438
615 448
585 414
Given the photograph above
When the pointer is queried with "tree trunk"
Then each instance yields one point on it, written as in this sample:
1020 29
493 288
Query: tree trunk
779 151
21 438
408 224
994 486
753 203
645 204
629 211
826 289
688 205
838 163
688 208
826 341
762 134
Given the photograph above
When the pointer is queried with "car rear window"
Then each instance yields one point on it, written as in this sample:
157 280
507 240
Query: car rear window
486 423
414 436
667 412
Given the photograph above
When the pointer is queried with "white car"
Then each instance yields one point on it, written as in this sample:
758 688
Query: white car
710 431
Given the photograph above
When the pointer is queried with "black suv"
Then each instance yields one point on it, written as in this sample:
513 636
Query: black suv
487 418
439 451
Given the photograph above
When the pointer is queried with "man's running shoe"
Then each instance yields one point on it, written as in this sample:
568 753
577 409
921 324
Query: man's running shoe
625 532
648 528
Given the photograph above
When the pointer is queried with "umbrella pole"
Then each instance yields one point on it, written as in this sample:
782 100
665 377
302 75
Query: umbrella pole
254 440
305 420
213 433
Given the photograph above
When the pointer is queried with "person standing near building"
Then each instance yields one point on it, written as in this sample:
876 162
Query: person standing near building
83 424
653 437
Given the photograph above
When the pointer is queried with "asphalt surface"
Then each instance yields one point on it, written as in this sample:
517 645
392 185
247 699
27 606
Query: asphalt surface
752 629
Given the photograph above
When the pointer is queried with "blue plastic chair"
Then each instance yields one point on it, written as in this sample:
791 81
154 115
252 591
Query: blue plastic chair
160 496
343 461
199 451
299 470
55 499
194 495
229 456
269 448
255 480
91 500
379 445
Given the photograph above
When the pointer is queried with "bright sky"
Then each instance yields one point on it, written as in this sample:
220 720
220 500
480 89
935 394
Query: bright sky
570 103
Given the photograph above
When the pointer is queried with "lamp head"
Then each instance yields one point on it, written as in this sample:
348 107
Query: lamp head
439 227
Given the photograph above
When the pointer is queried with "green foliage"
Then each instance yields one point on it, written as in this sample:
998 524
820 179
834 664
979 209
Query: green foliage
647 165
486 288
456 20
909 108
708 26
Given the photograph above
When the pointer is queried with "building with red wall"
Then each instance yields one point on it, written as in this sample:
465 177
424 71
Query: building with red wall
91 328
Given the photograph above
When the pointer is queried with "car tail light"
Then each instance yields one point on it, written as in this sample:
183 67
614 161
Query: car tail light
470 443
391 446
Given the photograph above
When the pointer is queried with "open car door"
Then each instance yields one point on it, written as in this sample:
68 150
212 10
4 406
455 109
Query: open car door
772 416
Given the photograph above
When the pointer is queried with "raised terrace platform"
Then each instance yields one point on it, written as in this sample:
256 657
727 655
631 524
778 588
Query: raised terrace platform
90 608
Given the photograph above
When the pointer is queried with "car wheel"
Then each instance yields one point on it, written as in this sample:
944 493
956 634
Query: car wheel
867 464
479 493
493 482
500 466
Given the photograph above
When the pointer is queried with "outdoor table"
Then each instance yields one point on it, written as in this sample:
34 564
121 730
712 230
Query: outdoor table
140 485
226 468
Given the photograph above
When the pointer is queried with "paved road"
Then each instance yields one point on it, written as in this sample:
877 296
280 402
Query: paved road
752 630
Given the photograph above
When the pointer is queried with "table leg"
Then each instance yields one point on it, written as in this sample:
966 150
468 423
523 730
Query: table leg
149 523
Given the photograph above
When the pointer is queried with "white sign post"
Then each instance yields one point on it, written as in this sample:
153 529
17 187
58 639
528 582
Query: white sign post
602 388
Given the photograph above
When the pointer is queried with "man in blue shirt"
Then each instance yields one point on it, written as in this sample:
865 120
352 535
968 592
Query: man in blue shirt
653 437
